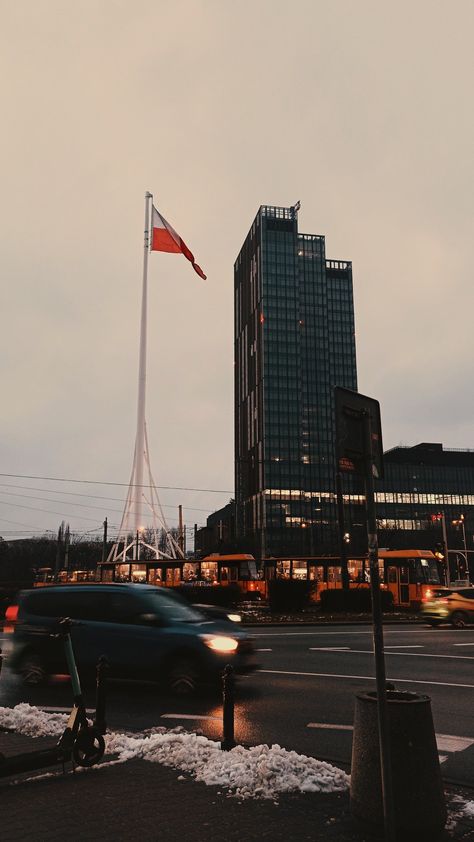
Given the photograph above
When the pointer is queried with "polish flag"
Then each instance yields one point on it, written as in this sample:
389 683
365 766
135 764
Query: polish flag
165 238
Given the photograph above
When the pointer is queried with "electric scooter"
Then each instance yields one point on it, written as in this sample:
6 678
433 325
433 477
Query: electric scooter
81 743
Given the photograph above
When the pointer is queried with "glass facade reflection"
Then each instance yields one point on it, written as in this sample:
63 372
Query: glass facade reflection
294 341
420 484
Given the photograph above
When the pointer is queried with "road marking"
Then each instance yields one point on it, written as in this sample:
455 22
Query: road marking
264 650
351 631
463 644
414 654
329 649
444 742
411 646
188 716
333 727
55 709
365 678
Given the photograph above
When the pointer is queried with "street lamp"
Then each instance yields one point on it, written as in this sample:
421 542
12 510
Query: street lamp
460 522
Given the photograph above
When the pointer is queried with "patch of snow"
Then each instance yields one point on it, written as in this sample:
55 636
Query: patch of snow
29 720
458 809
258 772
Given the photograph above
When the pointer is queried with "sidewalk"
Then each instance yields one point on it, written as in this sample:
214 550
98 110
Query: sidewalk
143 800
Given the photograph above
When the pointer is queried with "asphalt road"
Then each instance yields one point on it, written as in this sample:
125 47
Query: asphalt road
303 696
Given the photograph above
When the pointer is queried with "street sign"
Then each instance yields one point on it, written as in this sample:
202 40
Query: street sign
352 411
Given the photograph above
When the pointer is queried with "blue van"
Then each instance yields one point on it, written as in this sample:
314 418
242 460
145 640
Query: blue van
145 632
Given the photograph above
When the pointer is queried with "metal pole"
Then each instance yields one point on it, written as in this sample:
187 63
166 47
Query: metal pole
464 540
181 535
340 523
104 541
382 708
140 439
99 719
446 551
228 684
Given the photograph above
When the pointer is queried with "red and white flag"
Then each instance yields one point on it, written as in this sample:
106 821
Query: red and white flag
165 238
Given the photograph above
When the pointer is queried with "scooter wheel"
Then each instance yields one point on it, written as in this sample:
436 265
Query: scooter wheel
89 747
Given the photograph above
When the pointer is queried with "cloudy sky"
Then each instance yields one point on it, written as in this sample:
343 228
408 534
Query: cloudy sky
359 109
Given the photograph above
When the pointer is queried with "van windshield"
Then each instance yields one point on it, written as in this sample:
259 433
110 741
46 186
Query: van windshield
172 608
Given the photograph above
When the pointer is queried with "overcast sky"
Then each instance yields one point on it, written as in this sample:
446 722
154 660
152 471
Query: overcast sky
361 110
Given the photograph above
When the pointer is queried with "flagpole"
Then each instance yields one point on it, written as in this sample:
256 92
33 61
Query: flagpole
140 440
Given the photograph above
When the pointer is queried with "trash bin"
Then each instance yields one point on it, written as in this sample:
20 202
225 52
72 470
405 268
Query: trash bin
419 805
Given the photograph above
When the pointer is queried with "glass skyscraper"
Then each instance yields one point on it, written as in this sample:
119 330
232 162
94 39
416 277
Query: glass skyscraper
294 341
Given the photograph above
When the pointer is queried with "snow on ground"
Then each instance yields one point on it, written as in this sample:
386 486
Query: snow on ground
32 721
258 772
458 809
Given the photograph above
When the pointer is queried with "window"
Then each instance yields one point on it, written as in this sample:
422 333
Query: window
77 603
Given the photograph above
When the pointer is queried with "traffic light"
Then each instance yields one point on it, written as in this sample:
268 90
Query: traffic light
439 551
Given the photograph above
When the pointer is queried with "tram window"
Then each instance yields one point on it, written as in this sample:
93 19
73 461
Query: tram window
209 571
107 574
173 576
426 571
138 572
244 571
300 570
392 575
316 574
189 571
334 574
354 567
122 572
283 569
155 576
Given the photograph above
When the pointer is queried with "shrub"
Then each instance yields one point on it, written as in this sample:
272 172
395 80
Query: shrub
223 595
289 595
358 599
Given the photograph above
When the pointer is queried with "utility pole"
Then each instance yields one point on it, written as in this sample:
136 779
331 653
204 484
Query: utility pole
181 533
67 540
104 541
342 532
446 551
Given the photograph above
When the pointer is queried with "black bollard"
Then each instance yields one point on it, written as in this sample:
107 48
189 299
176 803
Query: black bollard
99 720
228 685
1 661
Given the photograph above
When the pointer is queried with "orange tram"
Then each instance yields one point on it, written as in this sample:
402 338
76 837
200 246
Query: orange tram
408 574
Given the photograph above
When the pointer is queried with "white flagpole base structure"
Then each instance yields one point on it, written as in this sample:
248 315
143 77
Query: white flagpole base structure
143 523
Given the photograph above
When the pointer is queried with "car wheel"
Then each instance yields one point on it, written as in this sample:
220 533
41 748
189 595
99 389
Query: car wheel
459 620
183 678
32 670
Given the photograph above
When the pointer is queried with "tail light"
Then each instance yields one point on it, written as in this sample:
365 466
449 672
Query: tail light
11 615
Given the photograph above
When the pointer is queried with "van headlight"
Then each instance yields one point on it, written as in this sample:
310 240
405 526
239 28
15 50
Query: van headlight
219 643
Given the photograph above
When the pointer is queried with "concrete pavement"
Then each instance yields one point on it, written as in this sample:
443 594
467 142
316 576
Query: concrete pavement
147 801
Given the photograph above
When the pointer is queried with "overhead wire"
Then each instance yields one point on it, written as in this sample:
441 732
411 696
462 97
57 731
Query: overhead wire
119 484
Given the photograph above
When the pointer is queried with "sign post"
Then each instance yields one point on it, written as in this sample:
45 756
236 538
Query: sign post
359 452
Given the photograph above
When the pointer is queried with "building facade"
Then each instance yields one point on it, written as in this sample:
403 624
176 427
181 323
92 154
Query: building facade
294 341
424 485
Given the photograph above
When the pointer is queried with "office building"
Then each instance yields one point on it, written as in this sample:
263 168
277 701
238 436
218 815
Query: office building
294 341
423 484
